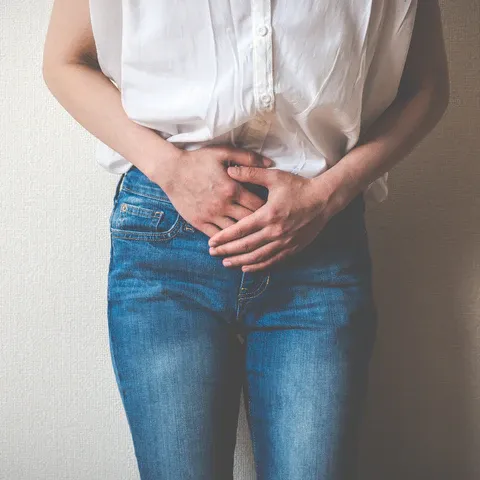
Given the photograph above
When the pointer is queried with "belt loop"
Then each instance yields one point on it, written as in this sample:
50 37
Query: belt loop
121 181
118 188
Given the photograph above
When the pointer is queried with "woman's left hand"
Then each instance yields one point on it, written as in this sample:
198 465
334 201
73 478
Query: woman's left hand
297 209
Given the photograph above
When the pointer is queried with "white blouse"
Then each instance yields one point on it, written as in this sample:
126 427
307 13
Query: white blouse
292 79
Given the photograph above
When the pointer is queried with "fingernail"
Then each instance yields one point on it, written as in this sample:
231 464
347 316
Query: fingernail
234 170
227 263
267 162
212 243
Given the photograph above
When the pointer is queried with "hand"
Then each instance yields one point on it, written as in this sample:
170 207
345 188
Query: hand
296 211
200 189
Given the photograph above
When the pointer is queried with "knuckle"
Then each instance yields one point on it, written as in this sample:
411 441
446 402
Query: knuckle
221 150
228 190
274 174
252 158
287 241
218 204
270 232
250 171
271 215
278 230
275 212
254 258
212 210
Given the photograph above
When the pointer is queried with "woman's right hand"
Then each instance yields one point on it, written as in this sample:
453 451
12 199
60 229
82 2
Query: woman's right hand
200 189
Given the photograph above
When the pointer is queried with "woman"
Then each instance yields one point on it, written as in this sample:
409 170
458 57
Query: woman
247 137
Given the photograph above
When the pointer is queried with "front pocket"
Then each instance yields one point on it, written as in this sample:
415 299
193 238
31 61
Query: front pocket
137 217
148 218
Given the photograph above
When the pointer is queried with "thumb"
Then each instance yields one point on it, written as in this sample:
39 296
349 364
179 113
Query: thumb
260 176
249 158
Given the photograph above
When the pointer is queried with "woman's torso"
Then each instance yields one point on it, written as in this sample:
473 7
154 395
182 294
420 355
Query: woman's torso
293 80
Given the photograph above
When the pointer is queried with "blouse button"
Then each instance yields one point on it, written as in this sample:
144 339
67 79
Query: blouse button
266 98
262 30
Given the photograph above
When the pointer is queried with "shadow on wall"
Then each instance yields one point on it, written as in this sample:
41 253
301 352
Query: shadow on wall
422 413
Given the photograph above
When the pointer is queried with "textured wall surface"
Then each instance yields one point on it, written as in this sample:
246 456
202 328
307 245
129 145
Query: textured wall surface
60 413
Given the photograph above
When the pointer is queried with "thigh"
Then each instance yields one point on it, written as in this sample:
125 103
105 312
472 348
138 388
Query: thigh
175 355
308 343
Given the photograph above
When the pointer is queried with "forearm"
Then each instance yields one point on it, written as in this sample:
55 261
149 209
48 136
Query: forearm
395 134
95 102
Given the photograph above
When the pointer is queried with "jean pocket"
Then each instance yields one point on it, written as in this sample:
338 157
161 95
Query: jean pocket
141 217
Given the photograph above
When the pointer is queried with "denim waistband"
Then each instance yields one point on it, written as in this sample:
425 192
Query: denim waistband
136 181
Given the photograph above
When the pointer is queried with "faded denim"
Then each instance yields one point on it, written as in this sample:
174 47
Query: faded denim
186 333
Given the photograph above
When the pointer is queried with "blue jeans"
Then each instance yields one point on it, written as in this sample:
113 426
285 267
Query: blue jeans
186 333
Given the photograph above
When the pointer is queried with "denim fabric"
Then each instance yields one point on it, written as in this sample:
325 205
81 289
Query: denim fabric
186 333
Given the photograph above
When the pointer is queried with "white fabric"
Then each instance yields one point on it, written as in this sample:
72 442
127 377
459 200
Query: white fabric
294 80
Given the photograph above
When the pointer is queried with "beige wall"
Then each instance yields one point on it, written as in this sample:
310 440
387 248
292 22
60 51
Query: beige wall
60 412
424 408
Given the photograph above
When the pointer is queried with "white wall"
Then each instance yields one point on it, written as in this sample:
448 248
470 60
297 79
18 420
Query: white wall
60 412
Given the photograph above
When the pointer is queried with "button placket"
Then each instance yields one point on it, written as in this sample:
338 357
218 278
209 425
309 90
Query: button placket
262 50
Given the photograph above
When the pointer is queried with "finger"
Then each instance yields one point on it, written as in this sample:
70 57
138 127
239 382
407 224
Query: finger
249 199
279 257
250 224
259 176
223 222
209 229
237 211
259 255
242 245
248 158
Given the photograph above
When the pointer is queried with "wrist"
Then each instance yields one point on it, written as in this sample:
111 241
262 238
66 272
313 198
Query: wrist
336 189
163 164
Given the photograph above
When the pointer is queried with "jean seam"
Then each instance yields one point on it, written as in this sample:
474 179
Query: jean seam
260 289
239 301
143 194
150 236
